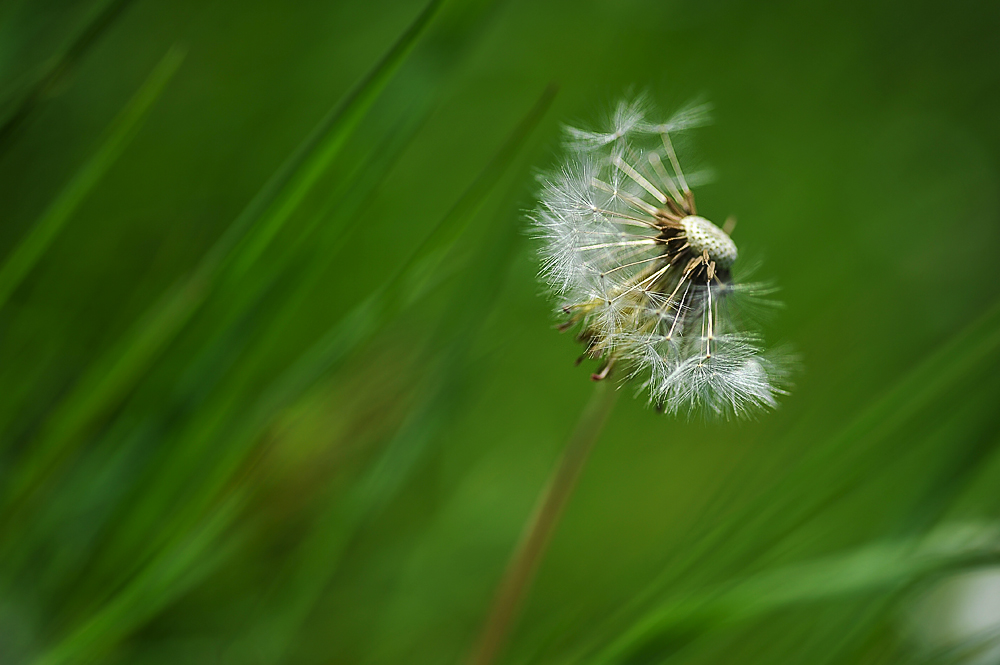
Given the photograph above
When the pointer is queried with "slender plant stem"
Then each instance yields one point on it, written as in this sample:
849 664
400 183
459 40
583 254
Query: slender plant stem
539 528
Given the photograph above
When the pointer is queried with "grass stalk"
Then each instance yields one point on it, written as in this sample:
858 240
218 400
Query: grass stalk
540 526
58 69
23 258
112 378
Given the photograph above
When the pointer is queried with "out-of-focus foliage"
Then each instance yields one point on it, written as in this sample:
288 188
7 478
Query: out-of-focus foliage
276 385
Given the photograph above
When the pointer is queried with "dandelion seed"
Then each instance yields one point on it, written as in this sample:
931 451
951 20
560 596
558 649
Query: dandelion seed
647 280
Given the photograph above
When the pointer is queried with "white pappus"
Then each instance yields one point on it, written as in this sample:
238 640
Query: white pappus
647 281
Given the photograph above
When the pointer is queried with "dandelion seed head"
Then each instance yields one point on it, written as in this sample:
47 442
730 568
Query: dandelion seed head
645 280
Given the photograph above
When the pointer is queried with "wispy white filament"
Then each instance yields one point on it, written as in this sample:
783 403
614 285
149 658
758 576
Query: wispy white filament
648 281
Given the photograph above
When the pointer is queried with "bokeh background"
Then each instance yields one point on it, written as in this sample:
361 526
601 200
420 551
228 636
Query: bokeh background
278 384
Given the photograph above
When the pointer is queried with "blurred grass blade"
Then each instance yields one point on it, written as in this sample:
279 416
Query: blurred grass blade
246 425
316 560
26 254
962 356
111 377
21 108
837 458
319 237
452 225
355 328
170 574
345 336
875 567
829 471
159 490
328 139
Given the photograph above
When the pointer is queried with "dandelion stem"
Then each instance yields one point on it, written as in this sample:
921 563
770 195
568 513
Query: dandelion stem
538 530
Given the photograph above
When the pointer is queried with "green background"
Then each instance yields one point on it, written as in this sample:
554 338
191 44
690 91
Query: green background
306 421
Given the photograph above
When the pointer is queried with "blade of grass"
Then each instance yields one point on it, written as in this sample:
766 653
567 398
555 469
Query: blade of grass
316 561
329 138
761 525
385 301
872 568
30 249
60 68
231 345
306 576
364 320
113 376
303 261
836 458
245 426
169 575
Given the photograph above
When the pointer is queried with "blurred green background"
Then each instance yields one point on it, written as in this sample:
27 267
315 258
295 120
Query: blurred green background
279 386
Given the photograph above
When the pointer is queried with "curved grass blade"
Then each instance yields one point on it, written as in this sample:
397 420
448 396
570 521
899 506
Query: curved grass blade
383 303
111 378
316 561
199 552
762 524
26 254
338 343
841 458
328 139
60 68
878 567
126 609
317 239
170 574
159 491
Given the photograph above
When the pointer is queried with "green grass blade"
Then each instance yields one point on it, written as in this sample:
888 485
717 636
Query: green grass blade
317 239
170 574
345 336
112 376
364 320
962 356
317 558
31 248
189 444
241 426
828 472
842 458
328 139
55 74
872 568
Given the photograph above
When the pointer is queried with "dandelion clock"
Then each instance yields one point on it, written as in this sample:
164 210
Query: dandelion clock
648 282
654 293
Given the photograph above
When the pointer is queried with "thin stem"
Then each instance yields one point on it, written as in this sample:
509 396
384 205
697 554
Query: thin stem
538 530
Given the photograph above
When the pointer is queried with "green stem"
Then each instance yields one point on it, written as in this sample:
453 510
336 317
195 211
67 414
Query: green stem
538 531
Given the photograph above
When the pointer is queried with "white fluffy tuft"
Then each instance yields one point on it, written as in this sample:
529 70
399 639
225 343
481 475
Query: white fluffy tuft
604 220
